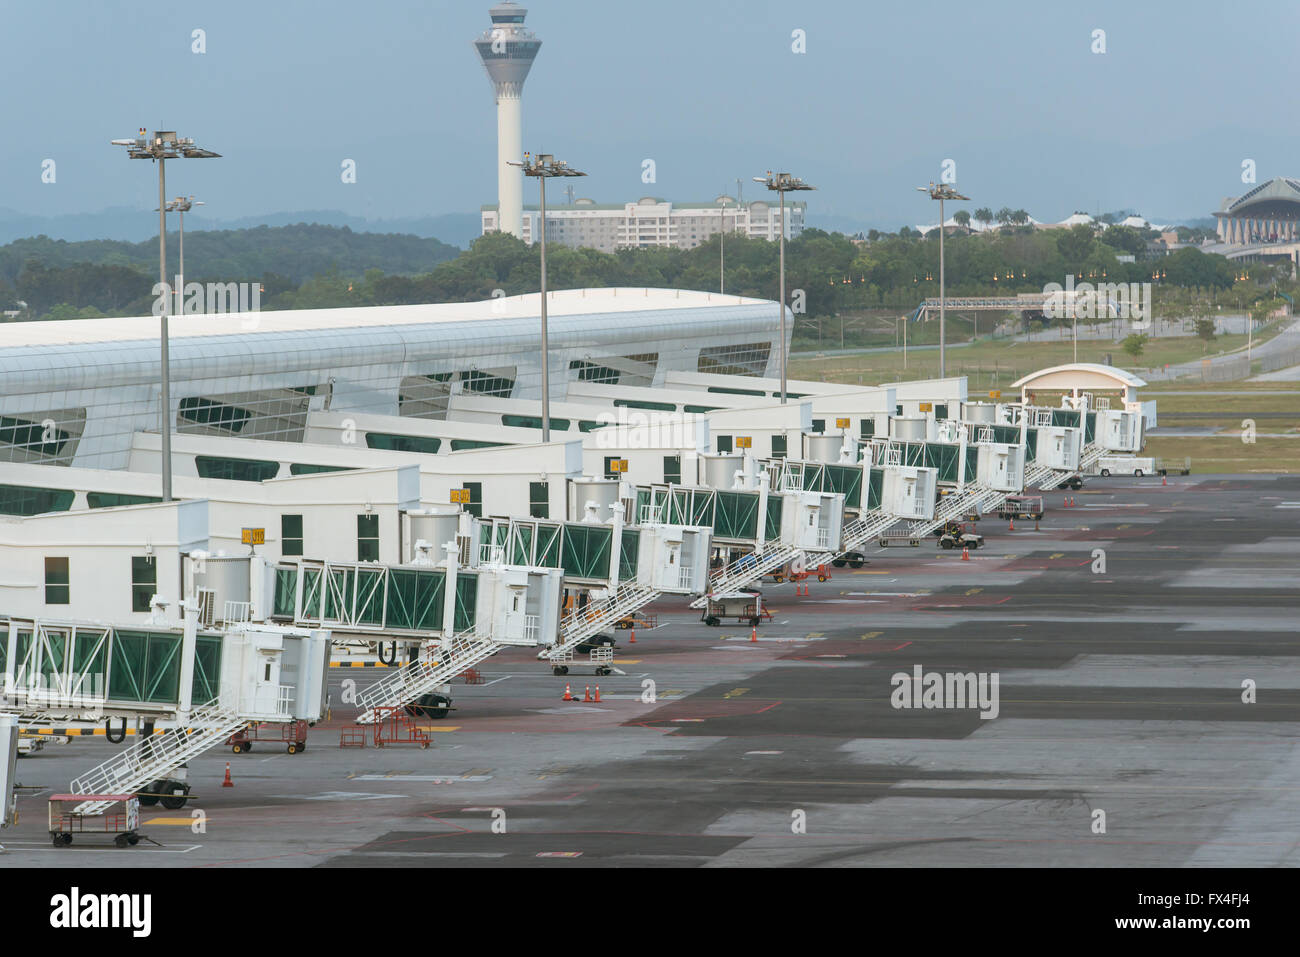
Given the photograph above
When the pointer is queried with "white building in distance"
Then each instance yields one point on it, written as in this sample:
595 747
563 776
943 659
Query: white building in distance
651 221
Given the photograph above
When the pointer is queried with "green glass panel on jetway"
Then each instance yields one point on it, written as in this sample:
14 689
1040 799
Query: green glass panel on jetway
522 552
875 488
370 596
53 654
207 669
847 480
1068 418
4 647
772 524
338 593
547 549
466 600
586 550
1090 428
89 652
628 554
286 592
311 589
932 455
415 601
972 462
737 515
144 667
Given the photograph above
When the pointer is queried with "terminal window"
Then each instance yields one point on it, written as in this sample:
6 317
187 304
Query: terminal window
367 538
475 504
57 588
672 470
144 581
780 447
539 500
290 535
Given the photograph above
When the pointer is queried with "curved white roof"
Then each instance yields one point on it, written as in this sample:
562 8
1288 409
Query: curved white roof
1119 375
560 303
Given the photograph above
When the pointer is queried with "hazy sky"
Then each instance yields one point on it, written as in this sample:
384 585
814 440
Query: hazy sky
709 89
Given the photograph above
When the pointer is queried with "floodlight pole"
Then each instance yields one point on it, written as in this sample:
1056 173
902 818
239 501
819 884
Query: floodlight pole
941 192
546 351
166 358
782 183
160 146
543 166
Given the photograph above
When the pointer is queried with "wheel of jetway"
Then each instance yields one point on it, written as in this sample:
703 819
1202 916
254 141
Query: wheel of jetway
712 622
559 670
856 561
839 562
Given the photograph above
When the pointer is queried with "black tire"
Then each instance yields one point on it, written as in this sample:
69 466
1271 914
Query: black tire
293 747
437 714
712 622
1137 473
856 562
248 745
174 801
302 746
753 622
57 840
1105 473
133 839
839 562
148 800
120 840
236 749
561 669
821 578
945 543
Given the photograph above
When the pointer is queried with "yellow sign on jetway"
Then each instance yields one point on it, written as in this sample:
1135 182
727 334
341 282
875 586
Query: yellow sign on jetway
927 406
460 496
744 442
995 393
252 536
618 465
841 423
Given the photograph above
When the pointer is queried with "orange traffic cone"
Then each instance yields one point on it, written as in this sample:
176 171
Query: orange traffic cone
227 783
587 695
632 640
965 554
753 633
1011 525
597 699
567 696
1164 480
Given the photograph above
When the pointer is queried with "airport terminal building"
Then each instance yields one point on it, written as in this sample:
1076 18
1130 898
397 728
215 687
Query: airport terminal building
80 393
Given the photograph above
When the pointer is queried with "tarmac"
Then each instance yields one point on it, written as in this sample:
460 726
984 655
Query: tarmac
1156 681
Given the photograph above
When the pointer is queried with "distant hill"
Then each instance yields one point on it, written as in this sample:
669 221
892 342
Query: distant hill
134 225
295 252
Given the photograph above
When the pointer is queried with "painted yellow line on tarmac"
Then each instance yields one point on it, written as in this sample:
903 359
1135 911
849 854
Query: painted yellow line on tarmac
735 692
170 821
872 634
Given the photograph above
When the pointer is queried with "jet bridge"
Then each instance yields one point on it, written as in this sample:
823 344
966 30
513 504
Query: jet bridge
203 685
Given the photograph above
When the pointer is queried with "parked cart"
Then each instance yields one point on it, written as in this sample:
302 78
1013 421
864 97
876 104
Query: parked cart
745 606
292 734
120 820
1028 507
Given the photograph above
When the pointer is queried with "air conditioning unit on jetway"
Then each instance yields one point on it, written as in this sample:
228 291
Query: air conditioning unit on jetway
674 558
1001 467
908 491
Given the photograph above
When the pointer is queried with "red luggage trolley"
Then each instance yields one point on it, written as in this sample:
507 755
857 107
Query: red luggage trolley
121 819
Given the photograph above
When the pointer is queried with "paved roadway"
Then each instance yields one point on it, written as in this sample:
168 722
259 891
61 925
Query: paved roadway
1120 691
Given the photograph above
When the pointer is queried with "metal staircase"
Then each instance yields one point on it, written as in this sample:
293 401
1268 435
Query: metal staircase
1047 479
438 663
581 623
748 569
953 507
154 757
862 530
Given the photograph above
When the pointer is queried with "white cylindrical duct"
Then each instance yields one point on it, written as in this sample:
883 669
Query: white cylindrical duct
720 468
908 429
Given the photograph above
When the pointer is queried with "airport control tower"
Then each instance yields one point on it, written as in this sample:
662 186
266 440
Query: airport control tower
508 51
